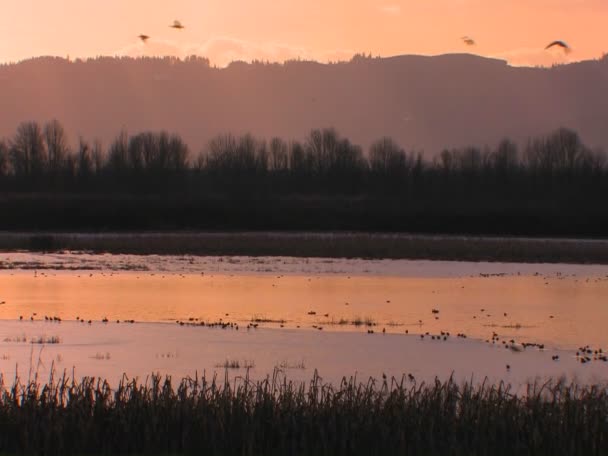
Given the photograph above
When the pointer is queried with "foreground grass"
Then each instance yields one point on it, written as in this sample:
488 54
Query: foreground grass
275 417
329 244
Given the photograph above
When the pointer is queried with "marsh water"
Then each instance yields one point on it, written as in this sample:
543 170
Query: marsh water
564 306
137 315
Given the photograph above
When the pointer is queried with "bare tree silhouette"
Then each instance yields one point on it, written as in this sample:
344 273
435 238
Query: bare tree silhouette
57 145
28 152
328 181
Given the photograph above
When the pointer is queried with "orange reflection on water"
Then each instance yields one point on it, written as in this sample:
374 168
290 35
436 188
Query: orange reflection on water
395 304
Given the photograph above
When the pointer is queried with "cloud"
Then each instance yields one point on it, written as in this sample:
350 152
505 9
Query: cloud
535 57
154 47
391 9
223 50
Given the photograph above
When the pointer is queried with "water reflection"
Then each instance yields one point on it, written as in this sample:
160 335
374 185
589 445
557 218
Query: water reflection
564 312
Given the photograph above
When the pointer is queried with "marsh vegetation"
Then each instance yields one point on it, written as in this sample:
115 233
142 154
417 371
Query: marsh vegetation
274 416
236 364
307 244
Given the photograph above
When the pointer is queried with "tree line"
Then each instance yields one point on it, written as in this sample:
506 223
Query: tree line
40 158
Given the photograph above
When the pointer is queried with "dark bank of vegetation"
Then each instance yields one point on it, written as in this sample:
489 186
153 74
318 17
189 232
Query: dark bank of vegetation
330 245
554 185
274 417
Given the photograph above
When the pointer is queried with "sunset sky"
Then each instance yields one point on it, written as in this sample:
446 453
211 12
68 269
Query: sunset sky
225 30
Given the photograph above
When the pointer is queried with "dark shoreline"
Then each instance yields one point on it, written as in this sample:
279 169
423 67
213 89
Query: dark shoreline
318 244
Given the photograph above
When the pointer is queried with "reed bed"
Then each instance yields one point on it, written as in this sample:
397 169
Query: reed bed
215 416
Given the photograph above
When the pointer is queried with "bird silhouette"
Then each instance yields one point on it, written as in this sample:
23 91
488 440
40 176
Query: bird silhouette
177 25
144 38
559 43
468 40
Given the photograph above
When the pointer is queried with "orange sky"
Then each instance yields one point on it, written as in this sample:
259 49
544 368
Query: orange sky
223 30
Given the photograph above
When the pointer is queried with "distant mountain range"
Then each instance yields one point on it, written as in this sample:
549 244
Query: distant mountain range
425 103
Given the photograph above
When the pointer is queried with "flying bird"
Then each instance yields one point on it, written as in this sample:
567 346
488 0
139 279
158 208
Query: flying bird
144 38
468 40
177 25
560 44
